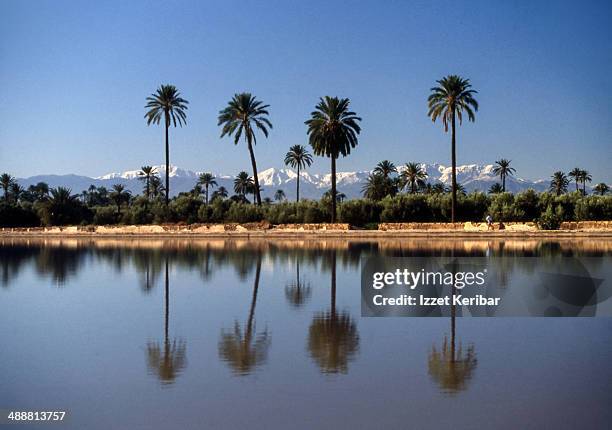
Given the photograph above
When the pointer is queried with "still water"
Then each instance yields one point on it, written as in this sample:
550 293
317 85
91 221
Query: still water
165 334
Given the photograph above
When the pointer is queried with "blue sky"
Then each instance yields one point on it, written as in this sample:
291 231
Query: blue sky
75 76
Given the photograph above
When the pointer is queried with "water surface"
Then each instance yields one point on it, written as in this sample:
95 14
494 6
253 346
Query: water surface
268 334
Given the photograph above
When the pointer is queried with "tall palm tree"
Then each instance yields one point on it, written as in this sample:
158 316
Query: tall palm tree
559 183
333 338
169 362
575 175
496 188
450 366
449 100
242 115
242 184
585 177
279 195
119 196
207 180
333 130
168 104
6 181
298 157
502 169
413 175
385 168
601 189
243 350
145 174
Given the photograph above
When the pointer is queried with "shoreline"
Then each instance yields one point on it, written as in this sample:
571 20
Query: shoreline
322 234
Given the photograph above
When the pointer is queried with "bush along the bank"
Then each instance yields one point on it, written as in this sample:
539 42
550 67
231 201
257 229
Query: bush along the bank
547 209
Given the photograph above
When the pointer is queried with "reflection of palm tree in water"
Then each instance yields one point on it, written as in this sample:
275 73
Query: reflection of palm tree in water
245 351
333 339
450 366
298 293
167 362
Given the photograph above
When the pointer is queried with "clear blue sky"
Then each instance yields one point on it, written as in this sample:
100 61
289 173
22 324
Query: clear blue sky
75 76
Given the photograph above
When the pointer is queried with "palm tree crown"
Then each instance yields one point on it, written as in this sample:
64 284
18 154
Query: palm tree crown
168 104
6 182
601 189
207 180
585 177
575 174
385 168
332 131
145 174
559 182
453 97
502 169
298 157
243 183
242 115
413 175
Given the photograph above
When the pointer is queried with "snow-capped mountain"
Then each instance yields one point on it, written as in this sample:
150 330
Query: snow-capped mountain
471 176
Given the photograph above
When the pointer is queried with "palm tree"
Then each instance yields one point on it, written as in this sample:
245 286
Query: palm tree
413 175
245 350
333 130
575 175
219 193
298 157
168 363
299 292
376 187
6 181
601 189
166 102
207 180
145 174
333 339
585 177
451 98
119 195
559 183
496 188
16 191
279 195
40 190
242 184
438 188
502 169
385 168
242 114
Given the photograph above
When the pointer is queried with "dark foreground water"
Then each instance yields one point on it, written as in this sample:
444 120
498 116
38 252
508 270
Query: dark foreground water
174 334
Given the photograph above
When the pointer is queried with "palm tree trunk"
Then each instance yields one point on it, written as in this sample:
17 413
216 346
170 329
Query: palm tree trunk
584 187
298 183
167 303
206 196
254 165
254 298
333 188
503 183
333 285
454 169
167 162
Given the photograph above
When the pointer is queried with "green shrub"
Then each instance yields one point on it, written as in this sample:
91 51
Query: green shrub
244 212
105 215
551 220
18 216
406 208
359 212
593 208
526 205
185 208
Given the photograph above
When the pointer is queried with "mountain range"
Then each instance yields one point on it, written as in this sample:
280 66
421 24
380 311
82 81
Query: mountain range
471 176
